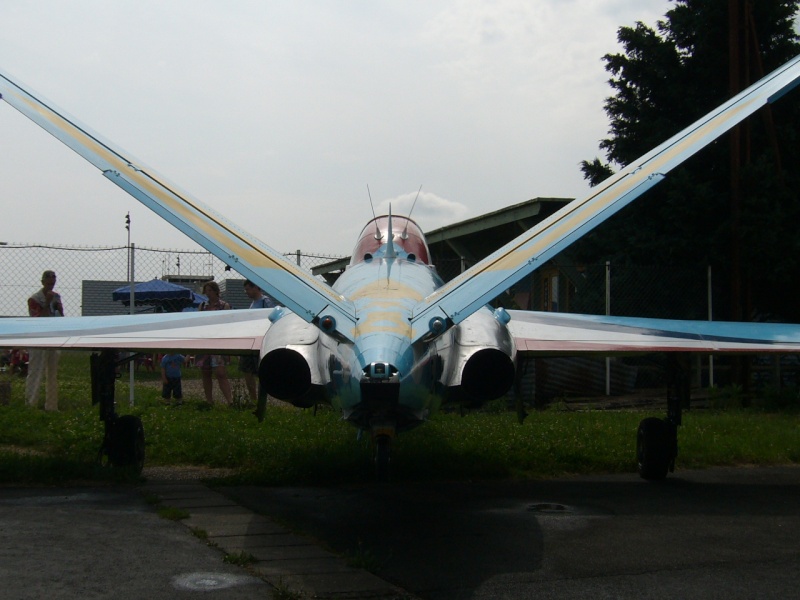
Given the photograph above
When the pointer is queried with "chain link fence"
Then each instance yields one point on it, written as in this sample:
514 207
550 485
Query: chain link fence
88 275
631 291
638 291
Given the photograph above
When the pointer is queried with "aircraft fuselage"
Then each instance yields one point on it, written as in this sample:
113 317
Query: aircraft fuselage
382 380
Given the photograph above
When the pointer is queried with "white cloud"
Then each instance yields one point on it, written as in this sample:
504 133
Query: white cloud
278 114
430 211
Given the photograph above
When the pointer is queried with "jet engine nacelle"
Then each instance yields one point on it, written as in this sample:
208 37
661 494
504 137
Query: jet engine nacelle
291 368
478 358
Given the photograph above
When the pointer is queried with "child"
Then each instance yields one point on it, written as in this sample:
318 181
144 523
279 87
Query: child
171 376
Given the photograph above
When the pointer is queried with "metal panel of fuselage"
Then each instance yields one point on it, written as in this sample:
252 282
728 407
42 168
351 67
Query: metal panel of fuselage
477 332
384 292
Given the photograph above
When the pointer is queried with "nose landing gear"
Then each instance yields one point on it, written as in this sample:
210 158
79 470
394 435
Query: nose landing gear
382 440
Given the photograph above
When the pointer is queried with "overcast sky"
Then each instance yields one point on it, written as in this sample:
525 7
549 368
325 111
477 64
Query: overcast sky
280 114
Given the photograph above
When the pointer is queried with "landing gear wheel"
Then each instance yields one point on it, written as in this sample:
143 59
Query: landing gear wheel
655 448
126 443
383 446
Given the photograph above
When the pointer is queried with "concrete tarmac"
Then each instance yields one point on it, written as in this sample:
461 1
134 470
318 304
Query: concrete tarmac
103 542
719 533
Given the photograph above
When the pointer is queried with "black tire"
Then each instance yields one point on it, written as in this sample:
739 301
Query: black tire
654 448
126 446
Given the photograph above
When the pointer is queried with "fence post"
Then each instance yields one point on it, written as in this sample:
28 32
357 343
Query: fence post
298 258
608 313
710 318
131 279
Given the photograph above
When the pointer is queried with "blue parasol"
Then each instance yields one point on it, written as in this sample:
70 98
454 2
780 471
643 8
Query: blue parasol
165 296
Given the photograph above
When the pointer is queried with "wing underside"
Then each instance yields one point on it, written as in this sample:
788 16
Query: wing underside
550 334
223 332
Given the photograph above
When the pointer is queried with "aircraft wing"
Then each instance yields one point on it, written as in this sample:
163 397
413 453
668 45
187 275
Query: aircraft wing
288 284
462 296
549 333
218 331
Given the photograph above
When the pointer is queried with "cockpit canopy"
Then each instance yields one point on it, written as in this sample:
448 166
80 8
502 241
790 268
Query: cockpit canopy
407 237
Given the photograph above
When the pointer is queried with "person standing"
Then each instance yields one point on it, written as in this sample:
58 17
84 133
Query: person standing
44 363
248 364
214 364
171 377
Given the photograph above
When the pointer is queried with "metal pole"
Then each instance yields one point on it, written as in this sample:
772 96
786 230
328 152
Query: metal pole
128 227
298 258
710 318
133 305
608 313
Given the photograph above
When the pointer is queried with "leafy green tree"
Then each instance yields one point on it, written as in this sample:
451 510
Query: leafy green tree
667 77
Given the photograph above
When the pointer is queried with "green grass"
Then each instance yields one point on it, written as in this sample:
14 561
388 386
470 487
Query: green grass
298 447
241 558
173 513
363 558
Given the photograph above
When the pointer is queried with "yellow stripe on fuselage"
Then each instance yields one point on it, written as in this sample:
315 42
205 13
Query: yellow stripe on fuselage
384 306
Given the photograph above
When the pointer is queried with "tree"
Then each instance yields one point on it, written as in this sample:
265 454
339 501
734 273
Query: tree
666 78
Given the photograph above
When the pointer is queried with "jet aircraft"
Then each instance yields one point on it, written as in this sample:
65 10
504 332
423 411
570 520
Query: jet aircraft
389 340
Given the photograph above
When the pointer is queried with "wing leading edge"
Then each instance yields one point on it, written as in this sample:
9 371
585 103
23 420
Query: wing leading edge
462 296
288 284
549 333
218 331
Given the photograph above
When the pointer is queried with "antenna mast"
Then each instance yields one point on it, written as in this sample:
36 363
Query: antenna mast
374 218
404 235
